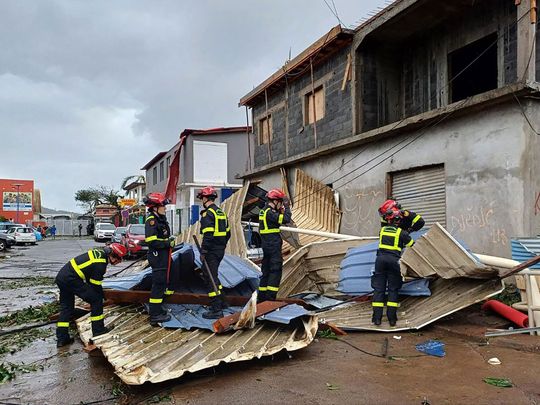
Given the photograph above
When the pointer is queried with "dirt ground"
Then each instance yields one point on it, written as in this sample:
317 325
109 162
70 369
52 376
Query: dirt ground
327 372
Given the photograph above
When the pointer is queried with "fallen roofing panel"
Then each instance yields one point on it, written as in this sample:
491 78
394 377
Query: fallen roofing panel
140 353
189 316
437 253
286 314
524 249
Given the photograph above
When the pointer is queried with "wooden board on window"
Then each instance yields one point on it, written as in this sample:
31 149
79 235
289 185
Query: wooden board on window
319 105
265 130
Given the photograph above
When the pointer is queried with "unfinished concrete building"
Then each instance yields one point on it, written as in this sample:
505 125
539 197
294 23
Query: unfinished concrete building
434 103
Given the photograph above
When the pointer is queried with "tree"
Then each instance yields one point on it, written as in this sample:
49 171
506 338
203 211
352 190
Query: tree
90 197
130 179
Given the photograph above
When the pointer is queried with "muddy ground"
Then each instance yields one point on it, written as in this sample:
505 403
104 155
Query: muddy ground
329 371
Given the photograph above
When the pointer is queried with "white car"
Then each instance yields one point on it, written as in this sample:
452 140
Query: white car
22 234
103 231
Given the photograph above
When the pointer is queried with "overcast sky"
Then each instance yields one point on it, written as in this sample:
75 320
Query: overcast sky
92 90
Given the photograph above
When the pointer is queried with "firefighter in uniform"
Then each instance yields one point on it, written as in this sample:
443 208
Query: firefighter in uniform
392 239
216 233
274 214
410 221
82 276
157 235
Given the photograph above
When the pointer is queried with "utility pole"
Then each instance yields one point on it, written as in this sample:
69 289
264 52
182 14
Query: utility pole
18 186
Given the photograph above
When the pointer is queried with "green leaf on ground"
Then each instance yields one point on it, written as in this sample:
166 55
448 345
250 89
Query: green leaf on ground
499 382
327 334
332 387
40 313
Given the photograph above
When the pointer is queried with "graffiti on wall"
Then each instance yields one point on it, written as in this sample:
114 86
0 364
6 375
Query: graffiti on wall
474 219
360 210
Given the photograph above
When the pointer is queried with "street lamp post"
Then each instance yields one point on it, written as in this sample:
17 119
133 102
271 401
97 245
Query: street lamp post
17 215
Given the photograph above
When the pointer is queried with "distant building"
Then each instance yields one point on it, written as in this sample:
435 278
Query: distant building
104 213
17 200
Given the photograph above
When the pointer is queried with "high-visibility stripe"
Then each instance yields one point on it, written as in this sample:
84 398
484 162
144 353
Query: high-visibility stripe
212 294
392 304
169 292
220 287
150 217
217 218
416 219
377 304
275 289
263 288
280 219
262 218
208 229
97 318
95 282
410 243
62 324
154 237
155 300
393 233
76 268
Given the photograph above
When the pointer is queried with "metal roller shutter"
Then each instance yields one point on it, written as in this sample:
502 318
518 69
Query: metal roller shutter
423 191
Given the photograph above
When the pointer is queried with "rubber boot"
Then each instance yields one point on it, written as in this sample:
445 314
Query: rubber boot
159 318
215 311
376 319
62 337
223 303
391 314
98 328
261 297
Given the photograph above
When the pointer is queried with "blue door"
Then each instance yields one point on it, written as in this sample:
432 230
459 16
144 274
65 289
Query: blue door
226 193
194 214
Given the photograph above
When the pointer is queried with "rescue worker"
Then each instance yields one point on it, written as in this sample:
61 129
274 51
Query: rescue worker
216 233
410 221
392 240
274 214
82 276
157 236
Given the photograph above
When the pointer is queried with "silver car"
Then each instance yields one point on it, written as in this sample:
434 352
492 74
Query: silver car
103 230
22 234
117 235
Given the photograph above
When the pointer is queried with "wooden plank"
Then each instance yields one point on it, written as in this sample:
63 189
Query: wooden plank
518 268
333 328
227 322
347 74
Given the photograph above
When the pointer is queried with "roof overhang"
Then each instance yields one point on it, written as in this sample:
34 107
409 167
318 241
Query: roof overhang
154 160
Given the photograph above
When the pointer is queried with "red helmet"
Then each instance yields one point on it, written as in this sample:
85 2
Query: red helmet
209 192
275 194
393 216
388 205
155 200
118 250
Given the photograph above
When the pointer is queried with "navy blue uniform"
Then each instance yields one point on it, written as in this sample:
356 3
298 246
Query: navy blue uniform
392 240
272 264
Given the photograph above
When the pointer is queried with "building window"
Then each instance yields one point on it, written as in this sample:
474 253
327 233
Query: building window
168 166
154 175
265 130
161 172
473 68
314 98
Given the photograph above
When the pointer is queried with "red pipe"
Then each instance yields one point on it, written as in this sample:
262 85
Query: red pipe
507 312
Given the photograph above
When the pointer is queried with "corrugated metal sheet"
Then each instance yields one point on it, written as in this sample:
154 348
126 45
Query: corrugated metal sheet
189 316
233 207
524 249
140 353
314 207
447 297
437 253
422 191
285 314
315 268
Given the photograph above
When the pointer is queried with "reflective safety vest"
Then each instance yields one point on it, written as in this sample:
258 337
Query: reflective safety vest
263 222
221 223
389 239
94 256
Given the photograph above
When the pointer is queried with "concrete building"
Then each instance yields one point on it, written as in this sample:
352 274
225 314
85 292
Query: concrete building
212 157
17 200
434 103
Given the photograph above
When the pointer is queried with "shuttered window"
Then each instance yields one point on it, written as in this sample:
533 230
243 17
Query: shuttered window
422 190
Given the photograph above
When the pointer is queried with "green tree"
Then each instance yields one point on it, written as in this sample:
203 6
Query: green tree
90 197
130 179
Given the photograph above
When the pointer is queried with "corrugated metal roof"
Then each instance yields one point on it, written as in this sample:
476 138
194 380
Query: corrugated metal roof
524 249
140 353
437 253
189 316
285 314
357 268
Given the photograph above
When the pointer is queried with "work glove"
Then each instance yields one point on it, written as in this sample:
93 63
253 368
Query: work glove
172 241
286 202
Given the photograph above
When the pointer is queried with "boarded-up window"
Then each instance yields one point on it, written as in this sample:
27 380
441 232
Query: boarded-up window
265 130
422 190
311 115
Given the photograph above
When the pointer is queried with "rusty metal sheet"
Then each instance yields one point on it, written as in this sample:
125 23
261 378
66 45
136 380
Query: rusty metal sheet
448 296
140 353
233 207
437 253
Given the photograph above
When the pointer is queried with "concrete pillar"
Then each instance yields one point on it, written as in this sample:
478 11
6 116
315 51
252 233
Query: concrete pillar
526 63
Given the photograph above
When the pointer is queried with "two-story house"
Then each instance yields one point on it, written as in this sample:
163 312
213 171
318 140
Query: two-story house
434 103
208 157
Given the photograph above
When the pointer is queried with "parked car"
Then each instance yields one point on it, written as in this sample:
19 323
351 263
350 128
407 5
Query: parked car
6 241
117 235
4 226
22 234
103 230
132 238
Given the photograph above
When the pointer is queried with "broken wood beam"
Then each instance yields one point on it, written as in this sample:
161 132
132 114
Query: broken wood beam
520 267
142 297
225 323
332 327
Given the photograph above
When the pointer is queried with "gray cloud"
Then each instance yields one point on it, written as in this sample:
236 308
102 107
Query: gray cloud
90 91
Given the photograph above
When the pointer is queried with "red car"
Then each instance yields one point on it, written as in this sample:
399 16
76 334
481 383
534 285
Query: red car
132 238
